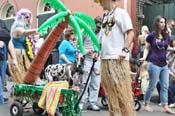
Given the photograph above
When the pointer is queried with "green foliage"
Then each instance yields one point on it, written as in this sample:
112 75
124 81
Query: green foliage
52 22
78 33
87 19
32 93
82 24
91 34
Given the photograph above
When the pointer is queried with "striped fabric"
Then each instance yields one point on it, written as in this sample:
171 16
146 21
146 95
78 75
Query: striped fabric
50 96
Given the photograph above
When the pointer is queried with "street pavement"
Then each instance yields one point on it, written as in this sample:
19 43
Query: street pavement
5 110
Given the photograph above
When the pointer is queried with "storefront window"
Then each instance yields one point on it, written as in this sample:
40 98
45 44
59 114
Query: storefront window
10 12
47 7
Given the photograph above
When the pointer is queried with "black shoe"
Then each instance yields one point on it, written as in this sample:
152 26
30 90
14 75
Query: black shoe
5 89
93 108
5 99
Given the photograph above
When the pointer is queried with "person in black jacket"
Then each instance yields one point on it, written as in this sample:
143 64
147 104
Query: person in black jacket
5 44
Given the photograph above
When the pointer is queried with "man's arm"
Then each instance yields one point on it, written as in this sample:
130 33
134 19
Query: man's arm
127 44
129 38
18 32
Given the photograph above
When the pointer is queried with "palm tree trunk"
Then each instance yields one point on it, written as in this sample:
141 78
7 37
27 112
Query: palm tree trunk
43 54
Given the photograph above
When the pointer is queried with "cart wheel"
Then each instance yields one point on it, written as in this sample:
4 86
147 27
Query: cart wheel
104 101
56 114
137 105
37 109
16 109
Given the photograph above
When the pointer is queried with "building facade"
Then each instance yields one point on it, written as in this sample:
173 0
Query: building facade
41 12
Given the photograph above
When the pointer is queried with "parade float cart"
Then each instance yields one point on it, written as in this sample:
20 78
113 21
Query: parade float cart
83 25
24 94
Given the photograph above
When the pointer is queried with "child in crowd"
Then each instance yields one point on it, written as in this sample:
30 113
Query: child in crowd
144 77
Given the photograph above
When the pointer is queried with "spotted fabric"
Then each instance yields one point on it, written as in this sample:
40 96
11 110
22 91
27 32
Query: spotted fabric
58 72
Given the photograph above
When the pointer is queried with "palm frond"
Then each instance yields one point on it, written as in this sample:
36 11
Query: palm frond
87 19
56 4
77 31
52 22
91 34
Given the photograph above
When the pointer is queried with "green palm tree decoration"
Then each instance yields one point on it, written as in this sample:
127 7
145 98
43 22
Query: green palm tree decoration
82 24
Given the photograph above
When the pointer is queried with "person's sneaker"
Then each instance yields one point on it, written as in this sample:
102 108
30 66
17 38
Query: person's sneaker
93 107
171 105
81 106
5 89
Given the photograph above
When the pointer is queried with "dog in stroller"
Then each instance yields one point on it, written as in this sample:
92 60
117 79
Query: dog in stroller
57 72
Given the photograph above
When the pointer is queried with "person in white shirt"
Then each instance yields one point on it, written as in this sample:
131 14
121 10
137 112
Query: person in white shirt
95 79
116 38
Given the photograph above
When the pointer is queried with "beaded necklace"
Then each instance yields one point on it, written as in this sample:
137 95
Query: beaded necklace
160 47
108 21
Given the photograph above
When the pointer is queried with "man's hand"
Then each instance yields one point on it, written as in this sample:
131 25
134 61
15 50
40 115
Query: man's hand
95 55
142 60
89 52
122 55
1 44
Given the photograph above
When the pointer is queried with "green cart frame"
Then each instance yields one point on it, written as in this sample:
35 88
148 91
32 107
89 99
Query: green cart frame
24 94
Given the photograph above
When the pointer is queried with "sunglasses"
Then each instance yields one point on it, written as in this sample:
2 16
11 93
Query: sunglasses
27 17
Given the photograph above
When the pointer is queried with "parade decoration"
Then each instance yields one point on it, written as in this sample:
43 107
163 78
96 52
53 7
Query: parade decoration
86 20
88 30
41 57
82 24
52 22
29 48
31 94
26 92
